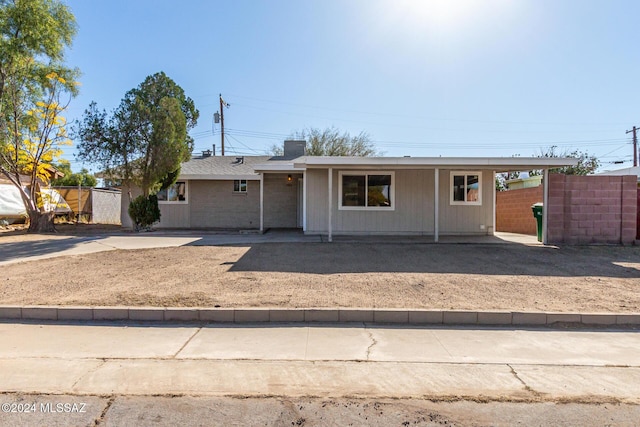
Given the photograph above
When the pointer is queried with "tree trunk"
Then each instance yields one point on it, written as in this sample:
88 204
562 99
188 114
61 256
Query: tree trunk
41 222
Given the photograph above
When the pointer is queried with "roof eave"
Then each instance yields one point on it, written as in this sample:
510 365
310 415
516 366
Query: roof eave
494 163
211 177
289 167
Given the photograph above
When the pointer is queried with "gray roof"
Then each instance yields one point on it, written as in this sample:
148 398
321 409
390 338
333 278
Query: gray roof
226 167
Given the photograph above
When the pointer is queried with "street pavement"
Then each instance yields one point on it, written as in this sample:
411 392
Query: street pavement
320 360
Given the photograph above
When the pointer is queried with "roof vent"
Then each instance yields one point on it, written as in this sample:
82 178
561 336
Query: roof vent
206 153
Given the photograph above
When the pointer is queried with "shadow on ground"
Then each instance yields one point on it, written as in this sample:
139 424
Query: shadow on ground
322 258
33 248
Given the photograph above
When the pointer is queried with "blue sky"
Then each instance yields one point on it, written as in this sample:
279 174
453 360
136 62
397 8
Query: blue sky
422 78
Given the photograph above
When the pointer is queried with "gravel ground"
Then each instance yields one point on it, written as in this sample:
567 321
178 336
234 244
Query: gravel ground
444 276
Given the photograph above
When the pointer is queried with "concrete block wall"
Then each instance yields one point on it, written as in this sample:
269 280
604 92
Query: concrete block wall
592 209
513 210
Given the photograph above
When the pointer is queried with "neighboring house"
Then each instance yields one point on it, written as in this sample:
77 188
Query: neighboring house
369 195
634 170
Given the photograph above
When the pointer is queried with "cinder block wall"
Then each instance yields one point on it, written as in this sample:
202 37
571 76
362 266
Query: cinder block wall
592 209
513 210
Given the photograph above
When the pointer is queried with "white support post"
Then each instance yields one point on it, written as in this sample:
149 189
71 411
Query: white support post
495 196
304 200
436 205
261 202
545 207
330 213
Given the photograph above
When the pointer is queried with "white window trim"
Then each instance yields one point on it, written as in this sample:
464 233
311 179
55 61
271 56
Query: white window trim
465 203
246 186
392 191
178 202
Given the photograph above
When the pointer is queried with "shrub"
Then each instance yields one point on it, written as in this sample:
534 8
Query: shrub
144 212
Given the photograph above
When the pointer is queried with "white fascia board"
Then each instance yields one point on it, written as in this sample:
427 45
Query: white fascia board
286 167
208 177
498 163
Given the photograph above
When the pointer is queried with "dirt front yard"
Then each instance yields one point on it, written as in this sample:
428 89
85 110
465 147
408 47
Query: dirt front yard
442 276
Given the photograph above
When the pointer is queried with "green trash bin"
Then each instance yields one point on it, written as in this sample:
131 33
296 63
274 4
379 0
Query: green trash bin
537 214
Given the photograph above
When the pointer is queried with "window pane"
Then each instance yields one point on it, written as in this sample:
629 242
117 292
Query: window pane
175 192
353 189
379 190
162 195
240 186
182 191
458 188
473 187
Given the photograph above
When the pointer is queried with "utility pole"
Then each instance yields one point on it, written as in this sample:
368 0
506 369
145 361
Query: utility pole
222 105
635 146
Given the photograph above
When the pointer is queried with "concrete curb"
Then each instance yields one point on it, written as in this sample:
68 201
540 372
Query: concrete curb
310 315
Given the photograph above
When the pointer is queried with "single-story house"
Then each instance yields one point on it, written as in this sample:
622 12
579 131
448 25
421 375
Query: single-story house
340 195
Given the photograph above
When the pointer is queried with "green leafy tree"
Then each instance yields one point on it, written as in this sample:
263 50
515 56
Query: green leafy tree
587 163
145 139
83 178
33 80
332 142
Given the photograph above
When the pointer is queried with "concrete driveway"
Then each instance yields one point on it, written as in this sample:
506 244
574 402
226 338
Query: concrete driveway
35 247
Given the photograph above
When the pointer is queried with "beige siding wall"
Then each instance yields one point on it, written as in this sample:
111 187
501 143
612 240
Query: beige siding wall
457 219
317 200
280 200
213 204
174 215
414 207
413 213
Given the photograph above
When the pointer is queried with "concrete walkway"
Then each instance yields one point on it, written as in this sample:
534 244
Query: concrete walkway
320 360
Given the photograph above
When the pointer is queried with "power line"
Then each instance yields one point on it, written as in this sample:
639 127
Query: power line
246 146
386 114
533 144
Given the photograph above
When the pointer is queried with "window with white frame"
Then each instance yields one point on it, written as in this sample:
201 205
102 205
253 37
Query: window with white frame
175 193
366 190
240 186
466 188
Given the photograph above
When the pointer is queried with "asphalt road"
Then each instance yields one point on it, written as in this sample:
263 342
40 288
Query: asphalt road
142 411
